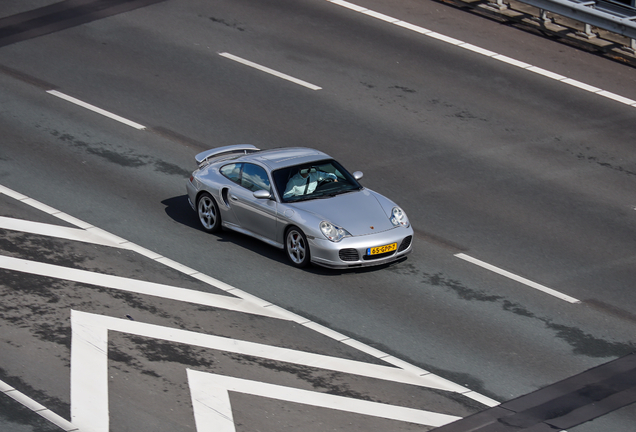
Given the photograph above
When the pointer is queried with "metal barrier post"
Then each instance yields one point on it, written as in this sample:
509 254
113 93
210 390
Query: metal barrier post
588 32
499 4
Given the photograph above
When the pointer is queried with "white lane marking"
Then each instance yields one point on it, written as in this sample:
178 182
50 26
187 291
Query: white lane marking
212 406
236 346
136 286
37 408
520 279
96 109
269 71
485 52
89 361
89 376
57 231
380 16
212 409
259 302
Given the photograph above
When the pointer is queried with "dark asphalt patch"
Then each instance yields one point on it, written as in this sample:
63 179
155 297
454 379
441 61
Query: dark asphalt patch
61 16
563 405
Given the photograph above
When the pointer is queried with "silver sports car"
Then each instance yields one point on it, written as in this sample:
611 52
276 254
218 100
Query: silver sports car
299 200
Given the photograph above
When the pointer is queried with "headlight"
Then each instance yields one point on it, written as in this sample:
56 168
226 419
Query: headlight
398 217
332 232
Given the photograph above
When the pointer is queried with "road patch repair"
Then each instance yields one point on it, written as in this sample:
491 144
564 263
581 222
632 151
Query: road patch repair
562 405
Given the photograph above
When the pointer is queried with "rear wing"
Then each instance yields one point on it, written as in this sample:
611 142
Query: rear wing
225 151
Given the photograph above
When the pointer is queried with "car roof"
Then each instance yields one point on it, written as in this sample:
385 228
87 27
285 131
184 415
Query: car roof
284 157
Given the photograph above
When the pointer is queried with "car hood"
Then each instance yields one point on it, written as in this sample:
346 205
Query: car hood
358 212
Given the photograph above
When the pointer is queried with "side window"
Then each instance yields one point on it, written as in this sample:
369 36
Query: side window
254 178
232 171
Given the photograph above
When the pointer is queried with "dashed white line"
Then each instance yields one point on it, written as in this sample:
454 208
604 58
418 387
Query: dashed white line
96 109
485 52
269 71
519 279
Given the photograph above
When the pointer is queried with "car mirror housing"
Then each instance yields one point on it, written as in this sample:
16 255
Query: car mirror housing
262 194
357 175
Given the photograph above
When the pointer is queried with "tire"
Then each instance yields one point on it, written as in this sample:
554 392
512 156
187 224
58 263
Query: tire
296 247
208 213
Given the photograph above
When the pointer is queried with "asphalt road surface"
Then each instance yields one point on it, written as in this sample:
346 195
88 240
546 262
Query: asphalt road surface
515 166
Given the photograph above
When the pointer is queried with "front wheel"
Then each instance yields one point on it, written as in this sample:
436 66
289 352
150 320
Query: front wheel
296 247
208 213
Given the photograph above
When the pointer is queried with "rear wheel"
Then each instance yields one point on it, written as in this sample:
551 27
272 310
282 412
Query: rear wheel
296 247
208 213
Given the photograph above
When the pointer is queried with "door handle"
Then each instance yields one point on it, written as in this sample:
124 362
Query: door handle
234 198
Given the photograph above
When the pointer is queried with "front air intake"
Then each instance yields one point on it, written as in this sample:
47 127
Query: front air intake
348 255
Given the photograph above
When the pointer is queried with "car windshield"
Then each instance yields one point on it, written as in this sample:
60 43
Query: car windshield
314 180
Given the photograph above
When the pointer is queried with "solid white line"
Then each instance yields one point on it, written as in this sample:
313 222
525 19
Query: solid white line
511 61
381 16
479 50
269 71
36 407
413 27
349 5
485 52
546 73
447 39
581 85
96 109
520 279
617 98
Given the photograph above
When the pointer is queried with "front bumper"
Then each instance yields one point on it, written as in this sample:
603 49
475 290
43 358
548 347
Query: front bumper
351 252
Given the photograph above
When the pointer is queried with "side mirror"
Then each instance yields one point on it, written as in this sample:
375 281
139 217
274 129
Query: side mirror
357 175
262 194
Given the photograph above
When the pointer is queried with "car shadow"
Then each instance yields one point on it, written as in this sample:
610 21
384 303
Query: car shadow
179 210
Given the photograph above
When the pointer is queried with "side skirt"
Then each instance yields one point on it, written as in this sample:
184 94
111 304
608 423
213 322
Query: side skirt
238 229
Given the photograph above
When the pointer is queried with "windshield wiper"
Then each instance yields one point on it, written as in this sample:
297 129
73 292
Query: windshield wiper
341 191
299 198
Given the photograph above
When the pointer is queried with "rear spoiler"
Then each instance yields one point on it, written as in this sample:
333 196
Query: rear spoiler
225 151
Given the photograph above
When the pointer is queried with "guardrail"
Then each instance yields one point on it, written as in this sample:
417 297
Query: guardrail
611 16
606 26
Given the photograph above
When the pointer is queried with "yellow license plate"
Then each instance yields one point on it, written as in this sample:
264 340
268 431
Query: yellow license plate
382 249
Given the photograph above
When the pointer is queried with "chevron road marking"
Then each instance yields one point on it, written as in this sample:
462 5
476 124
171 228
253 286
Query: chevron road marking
89 383
213 411
89 373
280 312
